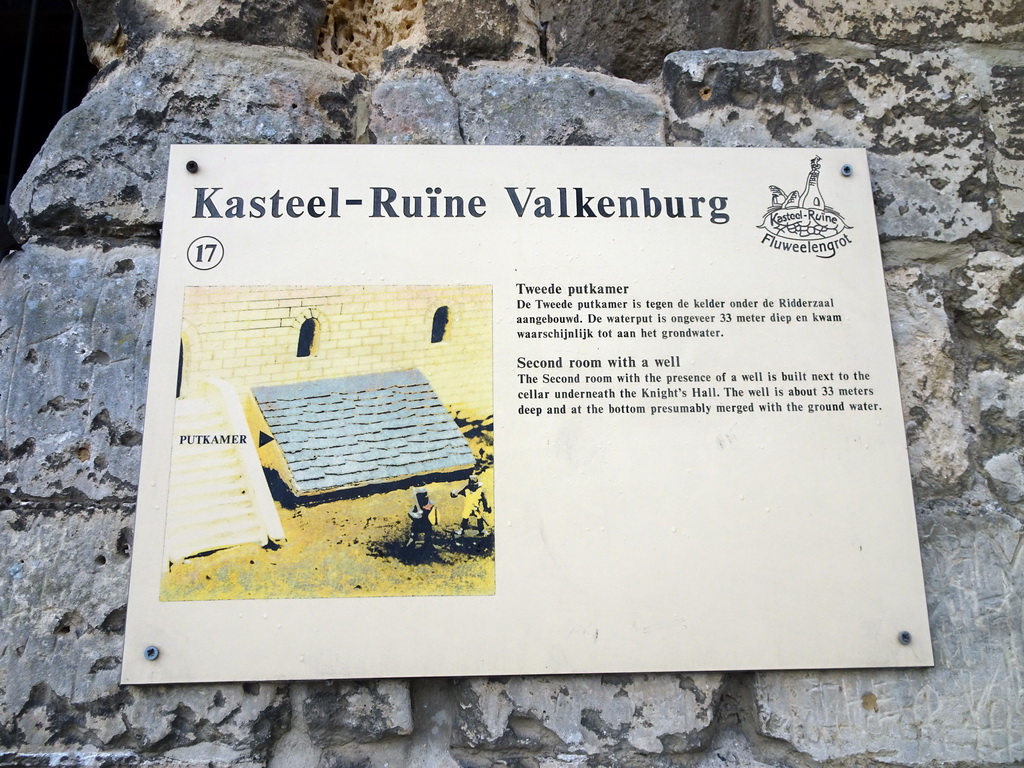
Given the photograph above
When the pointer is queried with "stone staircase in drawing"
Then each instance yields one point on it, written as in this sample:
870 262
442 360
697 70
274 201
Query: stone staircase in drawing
218 496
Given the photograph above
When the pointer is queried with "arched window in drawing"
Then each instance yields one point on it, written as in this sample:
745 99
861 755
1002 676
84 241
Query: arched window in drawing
440 325
186 349
308 333
181 366
181 385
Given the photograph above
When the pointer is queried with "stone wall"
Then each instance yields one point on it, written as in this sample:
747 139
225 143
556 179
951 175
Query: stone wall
932 89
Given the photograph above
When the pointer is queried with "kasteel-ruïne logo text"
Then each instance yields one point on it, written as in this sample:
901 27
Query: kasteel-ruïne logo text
804 222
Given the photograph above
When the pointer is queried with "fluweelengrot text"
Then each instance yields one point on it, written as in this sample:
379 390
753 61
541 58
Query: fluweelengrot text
525 202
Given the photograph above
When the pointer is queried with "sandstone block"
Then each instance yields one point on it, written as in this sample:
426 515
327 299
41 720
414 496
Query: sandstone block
918 114
64 606
544 105
111 27
111 182
587 714
968 707
936 434
370 37
901 21
416 109
74 362
360 35
604 34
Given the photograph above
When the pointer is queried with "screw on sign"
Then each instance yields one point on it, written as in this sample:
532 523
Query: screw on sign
205 252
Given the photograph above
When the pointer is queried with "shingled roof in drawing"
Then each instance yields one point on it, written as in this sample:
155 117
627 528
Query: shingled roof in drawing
358 431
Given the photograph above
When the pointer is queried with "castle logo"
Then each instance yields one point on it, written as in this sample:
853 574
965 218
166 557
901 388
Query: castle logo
803 222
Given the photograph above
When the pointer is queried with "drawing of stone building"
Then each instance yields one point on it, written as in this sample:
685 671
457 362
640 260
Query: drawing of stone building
336 388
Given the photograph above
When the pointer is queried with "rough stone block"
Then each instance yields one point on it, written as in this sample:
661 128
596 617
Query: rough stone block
968 707
604 34
991 282
337 713
111 182
1006 475
1006 117
543 105
64 606
368 37
587 714
111 27
901 22
919 115
472 29
74 359
998 399
936 434
414 109
989 307
997 392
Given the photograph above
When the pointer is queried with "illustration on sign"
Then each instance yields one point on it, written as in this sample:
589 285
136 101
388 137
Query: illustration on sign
803 221
332 442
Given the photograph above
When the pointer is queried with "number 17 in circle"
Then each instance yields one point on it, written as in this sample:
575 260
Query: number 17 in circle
205 252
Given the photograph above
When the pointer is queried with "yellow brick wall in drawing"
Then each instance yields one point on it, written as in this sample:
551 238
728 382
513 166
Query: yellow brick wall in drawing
249 336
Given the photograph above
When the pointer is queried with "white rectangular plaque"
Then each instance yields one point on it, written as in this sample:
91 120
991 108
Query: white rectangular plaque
420 411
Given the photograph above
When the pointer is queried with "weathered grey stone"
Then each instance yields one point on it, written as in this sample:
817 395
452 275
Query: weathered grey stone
919 115
990 283
544 105
109 759
968 707
994 297
998 399
1012 326
732 749
586 714
991 280
936 433
63 602
604 34
111 27
997 391
1006 475
901 22
111 182
414 109
340 712
75 329
1006 117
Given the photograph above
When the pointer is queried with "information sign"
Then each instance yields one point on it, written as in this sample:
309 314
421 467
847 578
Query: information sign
420 411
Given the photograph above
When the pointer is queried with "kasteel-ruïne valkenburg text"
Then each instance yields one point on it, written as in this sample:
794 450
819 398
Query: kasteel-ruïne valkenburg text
433 203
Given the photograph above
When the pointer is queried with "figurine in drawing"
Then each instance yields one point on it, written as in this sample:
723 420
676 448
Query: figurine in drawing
474 508
424 517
